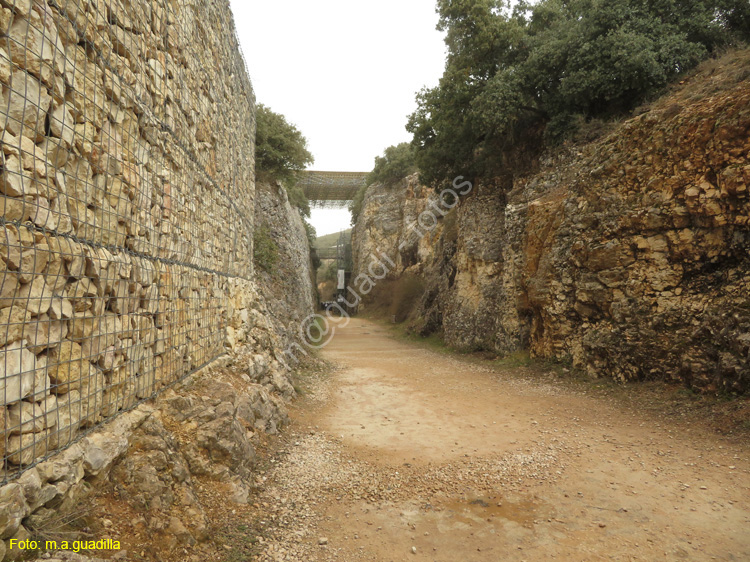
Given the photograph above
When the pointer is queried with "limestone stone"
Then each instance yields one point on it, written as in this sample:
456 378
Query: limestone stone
48 407
79 186
66 414
23 450
13 508
62 125
86 95
32 486
45 332
24 106
33 261
9 286
41 213
15 180
56 153
76 262
68 366
92 397
6 18
98 262
61 308
22 375
82 294
14 321
82 325
21 7
93 109
621 257
13 209
31 48
107 332
24 417
36 296
14 554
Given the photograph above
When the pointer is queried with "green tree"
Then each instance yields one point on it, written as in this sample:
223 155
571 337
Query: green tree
543 67
280 154
396 163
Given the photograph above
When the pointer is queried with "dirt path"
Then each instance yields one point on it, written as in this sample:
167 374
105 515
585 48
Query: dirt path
410 454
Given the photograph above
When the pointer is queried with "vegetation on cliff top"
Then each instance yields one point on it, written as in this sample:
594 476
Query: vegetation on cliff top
396 163
280 154
538 70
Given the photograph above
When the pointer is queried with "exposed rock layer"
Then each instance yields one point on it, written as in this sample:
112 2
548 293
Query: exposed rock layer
288 289
628 257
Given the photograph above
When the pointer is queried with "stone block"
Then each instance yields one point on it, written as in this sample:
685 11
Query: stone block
24 417
13 508
23 450
22 375
14 322
36 296
24 106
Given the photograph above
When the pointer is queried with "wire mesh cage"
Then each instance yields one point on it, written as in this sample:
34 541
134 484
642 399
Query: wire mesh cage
127 207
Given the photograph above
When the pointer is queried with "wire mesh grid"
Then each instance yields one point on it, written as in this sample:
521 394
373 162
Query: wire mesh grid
330 190
127 207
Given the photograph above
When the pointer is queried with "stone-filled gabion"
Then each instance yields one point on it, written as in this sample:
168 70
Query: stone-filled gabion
127 187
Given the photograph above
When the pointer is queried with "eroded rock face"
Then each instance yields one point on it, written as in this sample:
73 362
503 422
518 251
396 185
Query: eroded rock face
635 262
289 289
389 225
627 257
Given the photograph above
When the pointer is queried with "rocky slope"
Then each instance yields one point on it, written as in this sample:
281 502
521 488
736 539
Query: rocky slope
627 256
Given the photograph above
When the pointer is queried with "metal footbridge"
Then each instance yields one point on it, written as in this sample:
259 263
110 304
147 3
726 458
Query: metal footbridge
330 190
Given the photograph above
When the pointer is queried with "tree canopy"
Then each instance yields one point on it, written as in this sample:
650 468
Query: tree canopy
545 66
395 164
280 153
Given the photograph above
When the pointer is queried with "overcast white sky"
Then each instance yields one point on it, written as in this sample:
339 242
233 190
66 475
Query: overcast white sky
345 72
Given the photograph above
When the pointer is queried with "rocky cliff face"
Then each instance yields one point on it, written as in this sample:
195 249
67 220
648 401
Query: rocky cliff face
628 257
289 289
386 224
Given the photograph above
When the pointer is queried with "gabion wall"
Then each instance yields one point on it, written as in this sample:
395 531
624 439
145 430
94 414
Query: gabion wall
127 190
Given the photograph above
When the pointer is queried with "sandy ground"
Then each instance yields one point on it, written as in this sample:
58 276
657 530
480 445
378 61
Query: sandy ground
406 453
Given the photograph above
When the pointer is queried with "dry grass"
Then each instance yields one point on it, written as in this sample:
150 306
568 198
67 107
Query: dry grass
395 299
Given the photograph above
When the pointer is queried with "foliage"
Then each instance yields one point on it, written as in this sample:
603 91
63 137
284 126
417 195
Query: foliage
355 205
331 271
311 239
297 198
280 154
328 240
265 250
396 163
546 66
399 298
